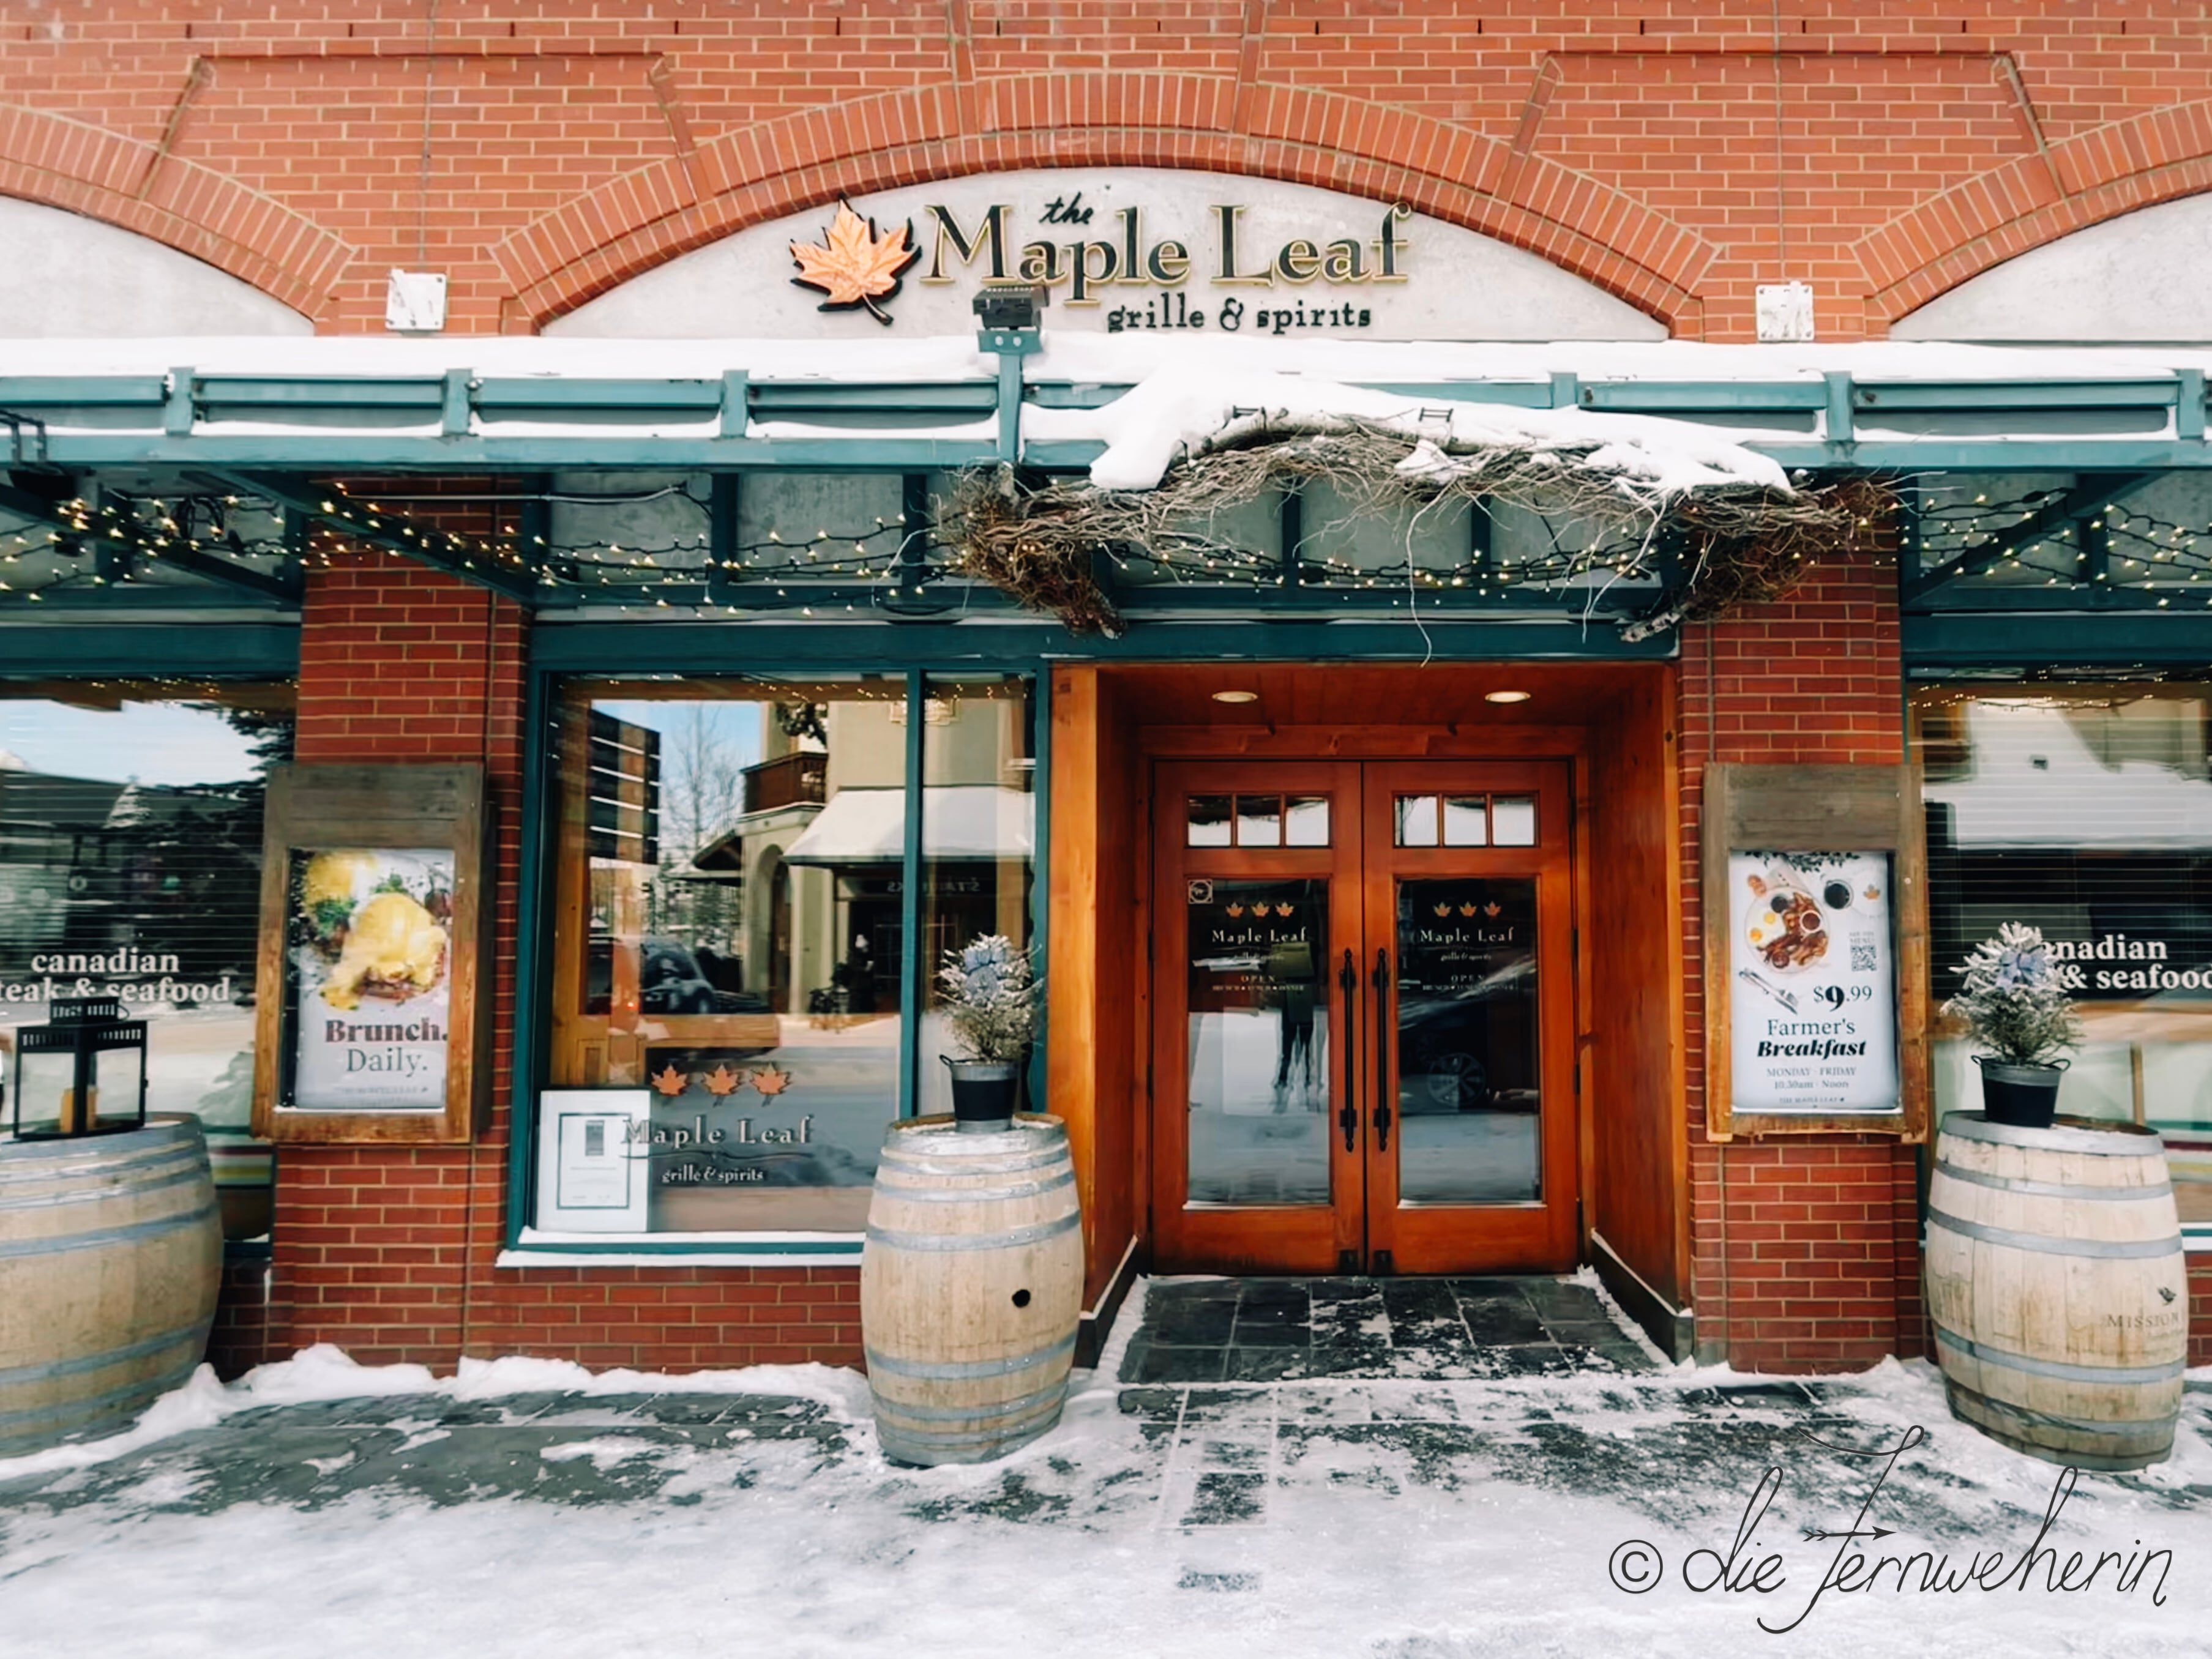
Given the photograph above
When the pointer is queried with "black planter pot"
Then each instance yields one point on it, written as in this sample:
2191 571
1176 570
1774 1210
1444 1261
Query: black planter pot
984 1093
2024 1097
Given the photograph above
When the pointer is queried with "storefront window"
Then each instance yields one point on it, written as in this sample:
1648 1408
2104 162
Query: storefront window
131 868
730 979
2085 812
978 835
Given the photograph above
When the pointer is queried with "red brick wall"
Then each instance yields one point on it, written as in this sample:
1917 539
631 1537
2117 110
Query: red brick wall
1677 151
390 1251
1805 1249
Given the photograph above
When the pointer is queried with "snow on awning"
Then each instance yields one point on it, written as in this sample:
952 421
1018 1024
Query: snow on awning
1174 410
959 821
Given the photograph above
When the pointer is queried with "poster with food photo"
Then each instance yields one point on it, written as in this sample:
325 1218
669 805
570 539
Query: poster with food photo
369 943
1813 1017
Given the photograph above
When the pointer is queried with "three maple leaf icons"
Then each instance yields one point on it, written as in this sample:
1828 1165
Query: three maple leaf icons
722 1082
856 265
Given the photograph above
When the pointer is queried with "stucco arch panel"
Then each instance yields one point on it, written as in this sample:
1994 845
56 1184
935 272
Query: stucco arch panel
2139 277
68 275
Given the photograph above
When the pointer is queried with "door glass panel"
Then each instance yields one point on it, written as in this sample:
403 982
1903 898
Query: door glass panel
1465 822
1513 820
1207 825
1257 989
1417 820
1305 820
1258 820
1467 1042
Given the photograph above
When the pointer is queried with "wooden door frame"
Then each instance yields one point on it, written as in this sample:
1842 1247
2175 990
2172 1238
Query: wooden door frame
1313 1237
1542 1236
1471 740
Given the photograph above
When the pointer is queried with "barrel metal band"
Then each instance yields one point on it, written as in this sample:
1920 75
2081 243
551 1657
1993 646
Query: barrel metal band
195 1334
1013 1236
974 1194
156 1138
2138 1249
2057 1369
939 1165
2051 1189
187 1171
100 1240
899 1411
958 1371
2098 1143
113 1405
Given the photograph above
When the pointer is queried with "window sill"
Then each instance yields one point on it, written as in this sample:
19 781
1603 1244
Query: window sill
535 1248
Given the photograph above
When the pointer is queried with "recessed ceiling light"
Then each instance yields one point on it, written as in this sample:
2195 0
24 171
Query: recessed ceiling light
1505 696
1237 696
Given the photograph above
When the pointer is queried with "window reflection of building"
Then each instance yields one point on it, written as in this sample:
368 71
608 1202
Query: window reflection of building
2088 813
149 891
772 941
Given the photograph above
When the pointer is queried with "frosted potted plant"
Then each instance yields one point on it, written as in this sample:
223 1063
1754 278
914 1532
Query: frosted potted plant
2017 1003
990 997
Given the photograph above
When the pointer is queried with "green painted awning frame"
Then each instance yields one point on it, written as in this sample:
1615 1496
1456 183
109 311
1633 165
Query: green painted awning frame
268 432
449 423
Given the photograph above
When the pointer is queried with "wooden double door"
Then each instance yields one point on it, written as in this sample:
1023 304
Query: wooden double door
1363 1017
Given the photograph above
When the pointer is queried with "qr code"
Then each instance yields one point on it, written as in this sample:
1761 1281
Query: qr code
1861 959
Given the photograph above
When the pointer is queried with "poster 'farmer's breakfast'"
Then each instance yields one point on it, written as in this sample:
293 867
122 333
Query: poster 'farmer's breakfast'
370 940
1813 1021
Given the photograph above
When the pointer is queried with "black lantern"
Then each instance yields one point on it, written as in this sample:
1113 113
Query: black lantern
58 1063
1011 305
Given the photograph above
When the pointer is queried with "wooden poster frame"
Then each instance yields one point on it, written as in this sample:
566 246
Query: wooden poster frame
1818 809
376 808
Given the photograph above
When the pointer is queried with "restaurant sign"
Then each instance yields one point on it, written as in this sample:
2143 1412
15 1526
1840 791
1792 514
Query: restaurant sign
1119 250
1812 1019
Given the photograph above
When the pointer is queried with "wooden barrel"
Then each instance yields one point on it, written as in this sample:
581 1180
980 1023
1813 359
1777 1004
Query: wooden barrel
2057 1287
111 1249
971 1285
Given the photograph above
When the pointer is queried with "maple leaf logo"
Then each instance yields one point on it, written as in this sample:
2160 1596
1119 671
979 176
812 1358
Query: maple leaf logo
724 1081
669 1081
855 266
771 1082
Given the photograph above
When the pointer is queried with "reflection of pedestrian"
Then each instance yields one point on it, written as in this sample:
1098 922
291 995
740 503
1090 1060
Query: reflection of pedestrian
1290 969
856 977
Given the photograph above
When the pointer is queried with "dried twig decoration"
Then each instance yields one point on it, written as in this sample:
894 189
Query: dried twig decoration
1739 543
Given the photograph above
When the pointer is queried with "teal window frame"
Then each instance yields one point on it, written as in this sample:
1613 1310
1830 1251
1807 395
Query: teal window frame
791 650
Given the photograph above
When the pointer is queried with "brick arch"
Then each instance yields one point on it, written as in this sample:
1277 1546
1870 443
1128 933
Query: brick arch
2028 202
131 184
804 159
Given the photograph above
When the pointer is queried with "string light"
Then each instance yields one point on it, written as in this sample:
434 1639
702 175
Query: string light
122 543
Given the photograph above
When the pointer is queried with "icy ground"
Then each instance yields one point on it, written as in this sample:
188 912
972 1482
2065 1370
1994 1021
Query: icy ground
527 1508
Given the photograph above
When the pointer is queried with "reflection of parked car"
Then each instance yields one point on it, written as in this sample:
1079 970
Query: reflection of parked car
1445 1062
670 981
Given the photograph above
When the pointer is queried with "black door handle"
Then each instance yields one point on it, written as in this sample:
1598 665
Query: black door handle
1348 979
1382 1049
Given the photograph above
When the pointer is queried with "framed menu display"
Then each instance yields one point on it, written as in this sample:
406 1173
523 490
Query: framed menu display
1815 952
368 1024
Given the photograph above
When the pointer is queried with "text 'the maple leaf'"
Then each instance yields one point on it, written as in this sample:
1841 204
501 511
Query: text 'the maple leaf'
856 266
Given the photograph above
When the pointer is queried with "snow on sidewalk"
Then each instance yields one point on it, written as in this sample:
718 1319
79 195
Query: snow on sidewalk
527 1507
